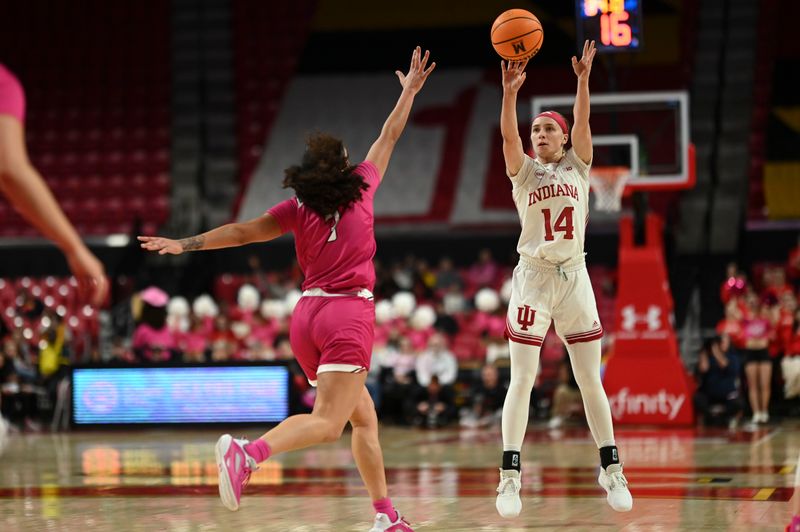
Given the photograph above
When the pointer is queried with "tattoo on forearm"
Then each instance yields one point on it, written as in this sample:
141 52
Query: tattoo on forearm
192 243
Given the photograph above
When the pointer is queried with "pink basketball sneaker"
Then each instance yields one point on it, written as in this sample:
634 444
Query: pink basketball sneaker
383 524
235 467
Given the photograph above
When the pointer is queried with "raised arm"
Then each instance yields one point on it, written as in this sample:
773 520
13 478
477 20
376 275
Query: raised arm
28 192
513 78
260 229
381 150
581 133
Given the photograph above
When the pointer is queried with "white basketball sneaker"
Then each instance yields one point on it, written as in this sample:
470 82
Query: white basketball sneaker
508 502
616 485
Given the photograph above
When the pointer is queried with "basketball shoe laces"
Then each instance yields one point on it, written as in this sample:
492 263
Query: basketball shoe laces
250 465
616 479
400 520
506 487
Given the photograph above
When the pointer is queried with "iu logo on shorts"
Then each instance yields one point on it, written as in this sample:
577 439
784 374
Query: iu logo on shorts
525 317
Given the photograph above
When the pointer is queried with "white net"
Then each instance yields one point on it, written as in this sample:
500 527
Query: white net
608 184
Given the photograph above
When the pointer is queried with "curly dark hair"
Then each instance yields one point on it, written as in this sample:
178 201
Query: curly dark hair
324 181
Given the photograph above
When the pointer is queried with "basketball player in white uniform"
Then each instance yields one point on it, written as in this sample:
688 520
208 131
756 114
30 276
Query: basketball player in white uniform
551 192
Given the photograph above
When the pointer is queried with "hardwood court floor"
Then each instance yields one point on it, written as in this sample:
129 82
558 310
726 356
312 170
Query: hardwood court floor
688 479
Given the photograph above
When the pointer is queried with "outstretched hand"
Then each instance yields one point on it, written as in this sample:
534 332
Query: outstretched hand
91 276
417 73
161 244
513 74
583 67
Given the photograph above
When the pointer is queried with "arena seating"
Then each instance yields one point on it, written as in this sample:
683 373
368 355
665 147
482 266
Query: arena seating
264 61
98 109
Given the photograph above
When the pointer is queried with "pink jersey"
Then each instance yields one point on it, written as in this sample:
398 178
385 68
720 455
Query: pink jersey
12 97
335 254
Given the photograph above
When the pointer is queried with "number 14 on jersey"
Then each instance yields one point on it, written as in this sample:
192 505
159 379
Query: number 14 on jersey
563 224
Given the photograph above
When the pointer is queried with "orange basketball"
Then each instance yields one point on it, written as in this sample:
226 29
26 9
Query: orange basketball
517 34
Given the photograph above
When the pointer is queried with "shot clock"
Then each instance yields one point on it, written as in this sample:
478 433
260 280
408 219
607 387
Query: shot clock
614 25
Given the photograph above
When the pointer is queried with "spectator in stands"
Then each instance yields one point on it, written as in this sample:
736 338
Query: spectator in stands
259 278
437 361
434 405
403 274
445 322
485 271
53 355
793 266
734 284
567 396
223 342
194 344
19 356
732 324
385 285
775 283
17 390
424 280
447 276
756 334
152 340
793 344
27 191
718 388
487 400
399 385
453 301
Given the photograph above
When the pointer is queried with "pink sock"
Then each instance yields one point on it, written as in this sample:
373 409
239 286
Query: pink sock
258 449
384 506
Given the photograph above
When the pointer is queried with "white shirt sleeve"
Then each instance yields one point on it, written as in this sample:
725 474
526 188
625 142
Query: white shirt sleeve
582 167
423 368
449 369
524 173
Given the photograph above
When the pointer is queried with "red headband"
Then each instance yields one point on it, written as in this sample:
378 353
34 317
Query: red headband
560 120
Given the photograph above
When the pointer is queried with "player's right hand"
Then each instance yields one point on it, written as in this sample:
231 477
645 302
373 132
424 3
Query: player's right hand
161 244
417 72
513 74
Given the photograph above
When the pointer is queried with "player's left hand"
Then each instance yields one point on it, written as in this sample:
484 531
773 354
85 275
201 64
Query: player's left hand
583 67
161 244
90 274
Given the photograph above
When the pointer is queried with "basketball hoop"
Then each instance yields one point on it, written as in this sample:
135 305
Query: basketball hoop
608 184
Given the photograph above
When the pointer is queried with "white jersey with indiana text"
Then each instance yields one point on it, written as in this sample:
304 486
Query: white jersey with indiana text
553 205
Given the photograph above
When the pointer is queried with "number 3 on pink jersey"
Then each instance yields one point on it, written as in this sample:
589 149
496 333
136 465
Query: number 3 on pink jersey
333 236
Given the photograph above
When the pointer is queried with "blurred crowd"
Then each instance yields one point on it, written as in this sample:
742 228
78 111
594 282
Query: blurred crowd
752 366
440 356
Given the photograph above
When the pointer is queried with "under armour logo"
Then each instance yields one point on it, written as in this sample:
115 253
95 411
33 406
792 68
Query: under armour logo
525 317
515 460
614 455
652 318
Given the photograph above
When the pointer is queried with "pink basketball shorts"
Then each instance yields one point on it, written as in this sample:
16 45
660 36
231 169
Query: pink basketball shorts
12 97
332 334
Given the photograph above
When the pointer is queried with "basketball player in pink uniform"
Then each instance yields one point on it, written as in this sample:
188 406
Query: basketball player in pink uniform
333 324
29 194
551 283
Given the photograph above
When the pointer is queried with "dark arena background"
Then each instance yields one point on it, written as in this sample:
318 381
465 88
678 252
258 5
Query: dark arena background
170 118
